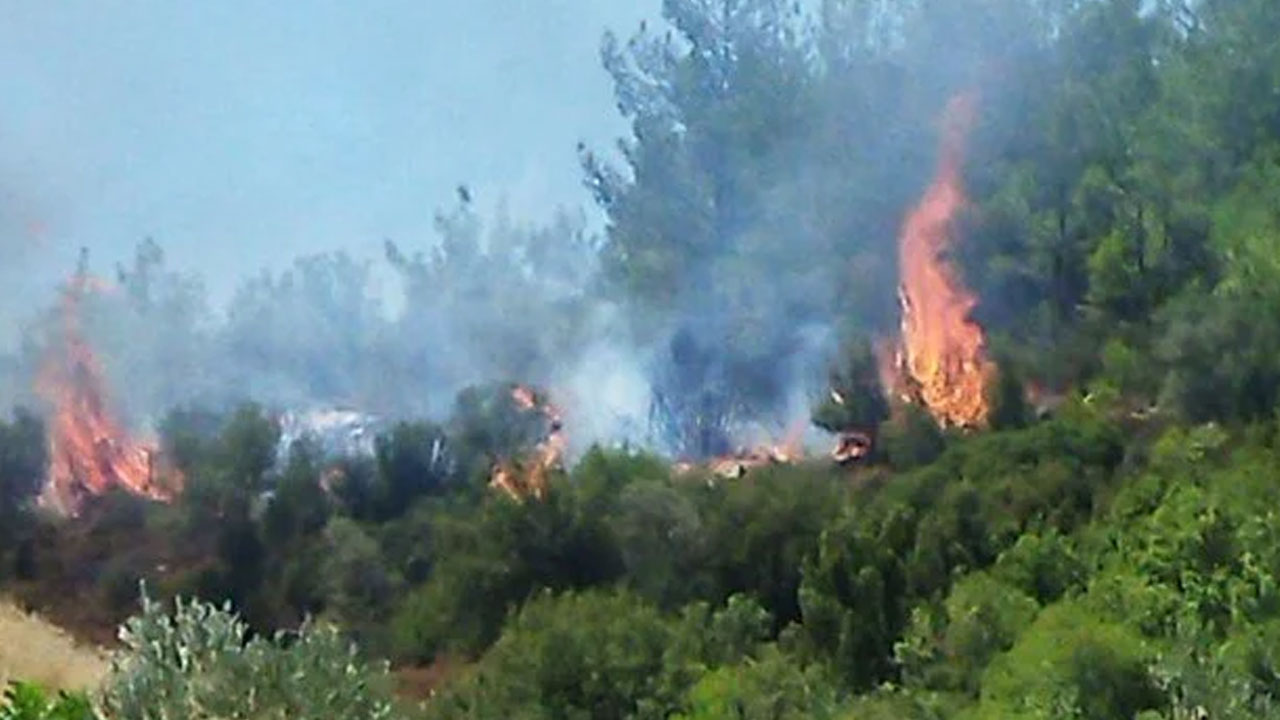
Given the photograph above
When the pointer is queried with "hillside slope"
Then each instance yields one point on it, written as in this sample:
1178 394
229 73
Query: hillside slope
32 649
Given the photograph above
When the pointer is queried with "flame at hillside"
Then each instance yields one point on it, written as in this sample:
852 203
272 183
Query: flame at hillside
529 477
942 350
89 451
737 464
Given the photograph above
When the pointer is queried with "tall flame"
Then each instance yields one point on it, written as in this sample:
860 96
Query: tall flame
90 452
943 349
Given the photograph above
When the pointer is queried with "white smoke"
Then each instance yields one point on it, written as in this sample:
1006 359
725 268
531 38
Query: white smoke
604 391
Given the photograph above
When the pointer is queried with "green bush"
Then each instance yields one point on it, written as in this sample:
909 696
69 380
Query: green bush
200 664
1043 565
1071 664
23 457
577 656
772 686
490 559
24 701
912 440
948 648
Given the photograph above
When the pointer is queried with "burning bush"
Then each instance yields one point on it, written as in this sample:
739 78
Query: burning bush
90 452
943 349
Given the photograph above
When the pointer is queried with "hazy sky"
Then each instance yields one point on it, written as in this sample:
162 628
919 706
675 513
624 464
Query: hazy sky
241 134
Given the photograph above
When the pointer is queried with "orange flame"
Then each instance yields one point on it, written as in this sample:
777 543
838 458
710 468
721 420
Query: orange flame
521 480
889 368
784 452
851 446
943 350
524 397
90 453
792 446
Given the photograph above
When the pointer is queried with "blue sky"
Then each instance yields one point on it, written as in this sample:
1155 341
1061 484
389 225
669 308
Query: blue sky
242 134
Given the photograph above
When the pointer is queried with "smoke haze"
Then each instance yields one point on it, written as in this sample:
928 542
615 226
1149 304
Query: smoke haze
248 134
706 307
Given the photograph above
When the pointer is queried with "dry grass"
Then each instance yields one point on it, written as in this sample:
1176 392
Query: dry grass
32 649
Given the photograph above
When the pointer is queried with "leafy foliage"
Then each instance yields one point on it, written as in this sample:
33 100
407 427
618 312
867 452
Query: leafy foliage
577 656
770 687
22 466
201 663
491 561
24 701
856 400
1113 554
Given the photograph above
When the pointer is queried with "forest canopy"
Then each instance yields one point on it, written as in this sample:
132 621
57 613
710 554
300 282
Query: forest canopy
1103 548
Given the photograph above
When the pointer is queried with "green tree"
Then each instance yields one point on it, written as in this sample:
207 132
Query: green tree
488 426
856 400
897 546
1044 565
412 461
912 439
578 655
724 634
23 461
853 600
760 530
223 492
694 245
948 650
290 523
1220 347
708 111
499 299
157 336
304 334
23 457
298 507
1069 663
664 544
770 687
490 559
359 588
1007 400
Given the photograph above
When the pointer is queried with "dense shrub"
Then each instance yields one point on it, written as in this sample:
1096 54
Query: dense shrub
200 662
24 701
577 656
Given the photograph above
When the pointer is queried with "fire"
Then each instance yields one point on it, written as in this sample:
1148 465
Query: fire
524 397
943 350
784 452
90 453
530 477
791 448
851 446
889 367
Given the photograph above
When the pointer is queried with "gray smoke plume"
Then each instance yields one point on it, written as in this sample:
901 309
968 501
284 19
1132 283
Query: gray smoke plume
751 215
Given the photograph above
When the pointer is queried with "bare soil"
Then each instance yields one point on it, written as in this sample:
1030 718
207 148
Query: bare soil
33 650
